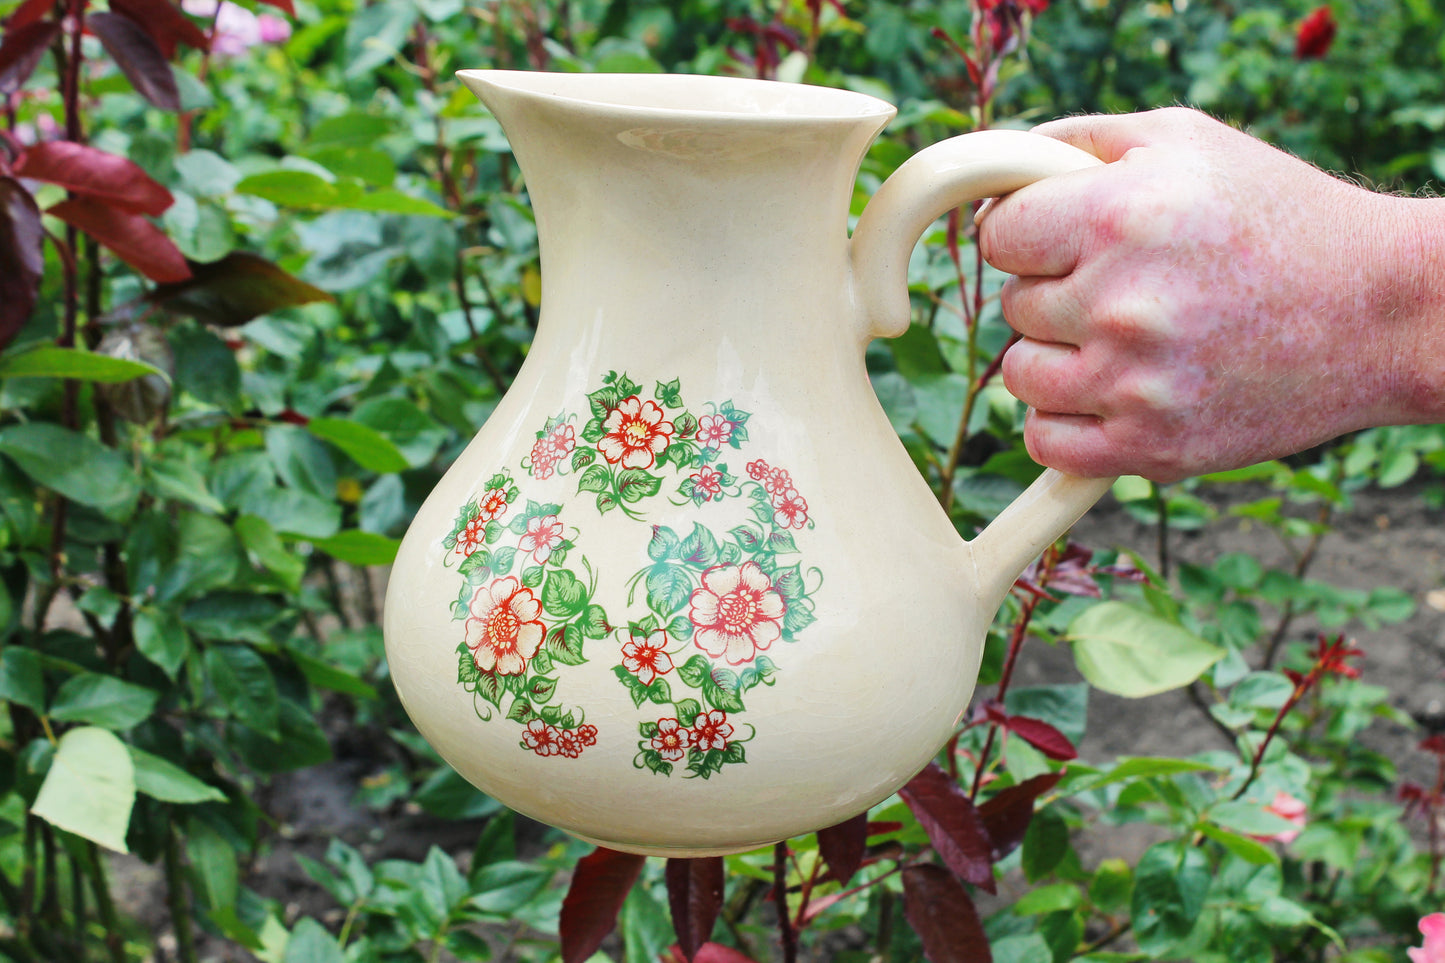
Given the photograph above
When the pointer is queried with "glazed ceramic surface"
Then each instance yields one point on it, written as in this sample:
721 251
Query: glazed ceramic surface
685 593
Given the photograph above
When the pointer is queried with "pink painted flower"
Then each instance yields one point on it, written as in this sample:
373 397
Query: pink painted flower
671 741
708 481
238 29
710 730
561 440
471 538
777 481
736 613
635 433
758 470
543 535
790 510
540 738
645 658
714 431
492 505
504 629
544 460
1291 809
1433 928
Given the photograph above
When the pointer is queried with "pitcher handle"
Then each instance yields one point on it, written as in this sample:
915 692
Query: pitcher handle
928 185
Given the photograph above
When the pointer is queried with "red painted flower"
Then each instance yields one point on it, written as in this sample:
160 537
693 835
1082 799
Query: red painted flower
470 538
1315 35
790 510
492 505
778 480
540 738
504 628
758 470
708 481
714 431
671 741
543 535
568 744
635 433
561 440
736 613
587 735
711 730
645 658
544 461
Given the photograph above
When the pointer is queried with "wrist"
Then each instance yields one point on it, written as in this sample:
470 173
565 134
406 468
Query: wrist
1411 265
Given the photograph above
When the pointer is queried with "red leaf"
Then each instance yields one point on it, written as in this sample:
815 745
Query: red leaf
842 846
21 52
940 912
131 237
695 894
235 289
953 825
21 241
1043 737
600 883
138 57
1006 816
85 170
717 953
166 24
285 5
28 12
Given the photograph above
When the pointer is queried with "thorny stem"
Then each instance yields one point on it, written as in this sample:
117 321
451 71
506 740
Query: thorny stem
1301 565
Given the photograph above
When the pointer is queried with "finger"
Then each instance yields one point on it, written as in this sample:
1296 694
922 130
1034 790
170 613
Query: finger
1051 378
1044 309
1020 233
1110 136
1073 444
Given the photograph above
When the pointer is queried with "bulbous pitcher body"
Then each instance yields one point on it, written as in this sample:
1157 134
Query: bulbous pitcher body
685 593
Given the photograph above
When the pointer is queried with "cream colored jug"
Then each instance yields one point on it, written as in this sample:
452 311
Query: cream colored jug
685 593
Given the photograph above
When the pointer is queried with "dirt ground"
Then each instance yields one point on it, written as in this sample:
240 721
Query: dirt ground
1390 538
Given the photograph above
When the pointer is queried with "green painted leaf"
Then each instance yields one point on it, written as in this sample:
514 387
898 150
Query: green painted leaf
564 644
90 788
103 700
363 444
594 479
563 594
635 484
75 465
594 624
49 361
695 671
668 588
1133 653
162 779
359 548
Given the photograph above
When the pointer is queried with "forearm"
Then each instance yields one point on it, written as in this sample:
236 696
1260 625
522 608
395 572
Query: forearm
1411 302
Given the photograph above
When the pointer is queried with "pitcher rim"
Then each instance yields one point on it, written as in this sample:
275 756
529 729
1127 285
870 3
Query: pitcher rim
591 89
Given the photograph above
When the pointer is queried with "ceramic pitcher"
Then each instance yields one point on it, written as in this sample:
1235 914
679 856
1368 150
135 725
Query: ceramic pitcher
685 593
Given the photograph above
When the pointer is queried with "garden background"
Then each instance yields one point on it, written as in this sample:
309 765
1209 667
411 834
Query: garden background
265 268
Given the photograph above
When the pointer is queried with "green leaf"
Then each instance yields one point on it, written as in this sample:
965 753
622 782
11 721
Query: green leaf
359 548
1170 886
327 676
164 780
1133 653
392 201
160 635
311 943
1249 850
595 479
416 434
22 680
213 861
563 595
173 478
90 788
103 700
266 548
49 361
205 366
635 484
244 687
75 465
364 445
1249 818
1138 767
1045 844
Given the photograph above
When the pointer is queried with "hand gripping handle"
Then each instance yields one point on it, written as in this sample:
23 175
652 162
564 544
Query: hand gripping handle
929 184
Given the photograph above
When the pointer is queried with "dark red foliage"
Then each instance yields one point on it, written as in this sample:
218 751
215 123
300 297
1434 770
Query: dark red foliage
695 895
81 169
941 913
1036 732
234 290
21 52
1007 815
953 825
138 57
166 24
128 235
29 12
1315 34
842 847
21 240
600 883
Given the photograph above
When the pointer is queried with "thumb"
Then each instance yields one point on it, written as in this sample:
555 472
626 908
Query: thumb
1110 137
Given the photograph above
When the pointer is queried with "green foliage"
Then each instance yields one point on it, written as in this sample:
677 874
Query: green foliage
317 273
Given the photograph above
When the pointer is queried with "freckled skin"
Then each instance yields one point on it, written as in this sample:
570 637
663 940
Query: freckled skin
1205 301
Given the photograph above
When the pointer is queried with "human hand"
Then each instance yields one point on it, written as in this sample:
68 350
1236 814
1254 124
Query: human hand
1205 301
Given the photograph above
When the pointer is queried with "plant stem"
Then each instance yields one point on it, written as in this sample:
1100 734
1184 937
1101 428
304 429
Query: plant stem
788 936
176 891
104 905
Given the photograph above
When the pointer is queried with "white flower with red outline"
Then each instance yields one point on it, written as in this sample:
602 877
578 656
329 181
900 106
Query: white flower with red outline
671 741
708 481
645 657
492 505
777 481
714 430
540 738
758 470
790 510
635 433
504 628
543 535
711 730
472 537
736 613
550 449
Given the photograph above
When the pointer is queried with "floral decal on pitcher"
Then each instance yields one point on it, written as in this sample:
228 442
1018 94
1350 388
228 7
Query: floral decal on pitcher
705 611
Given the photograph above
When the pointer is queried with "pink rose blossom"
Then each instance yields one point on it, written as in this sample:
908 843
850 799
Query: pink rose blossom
1288 808
708 481
470 538
492 505
1433 928
540 738
790 510
238 29
736 613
